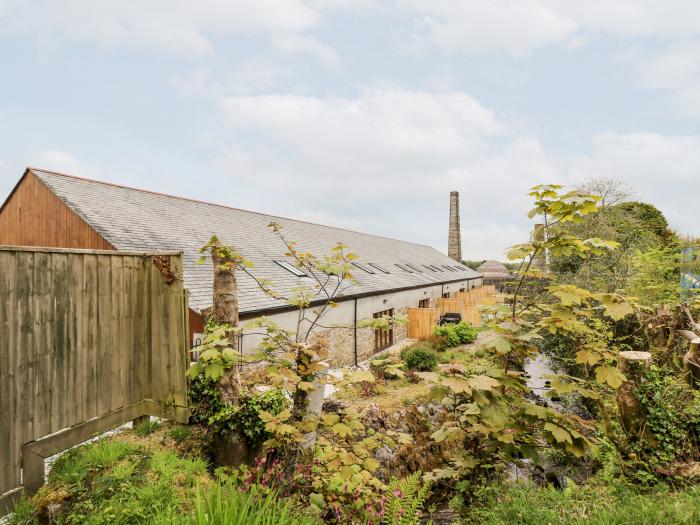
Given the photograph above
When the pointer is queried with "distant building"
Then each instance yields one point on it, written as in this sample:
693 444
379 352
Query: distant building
495 272
56 210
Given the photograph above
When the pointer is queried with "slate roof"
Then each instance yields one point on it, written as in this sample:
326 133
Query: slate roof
132 219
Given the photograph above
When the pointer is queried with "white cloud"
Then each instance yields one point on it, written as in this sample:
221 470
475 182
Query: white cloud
56 160
307 45
518 27
255 74
664 168
176 26
676 71
513 26
379 162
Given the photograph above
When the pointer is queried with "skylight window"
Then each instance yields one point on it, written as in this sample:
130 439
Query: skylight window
364 267
431 268
375 265
404 268
293 269
459 268
448 268
436 268
414 268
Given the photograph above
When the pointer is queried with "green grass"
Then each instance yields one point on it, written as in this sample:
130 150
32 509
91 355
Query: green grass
227 505
137 478
590 505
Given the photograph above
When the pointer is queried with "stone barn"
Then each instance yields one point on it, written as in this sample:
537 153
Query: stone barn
57 210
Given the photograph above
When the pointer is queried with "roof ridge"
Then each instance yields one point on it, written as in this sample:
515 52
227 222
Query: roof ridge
115 185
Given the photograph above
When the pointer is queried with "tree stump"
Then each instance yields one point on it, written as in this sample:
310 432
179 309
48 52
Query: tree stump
632 414
691 360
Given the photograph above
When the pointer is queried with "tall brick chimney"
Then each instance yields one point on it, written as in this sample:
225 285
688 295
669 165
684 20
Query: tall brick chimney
454 241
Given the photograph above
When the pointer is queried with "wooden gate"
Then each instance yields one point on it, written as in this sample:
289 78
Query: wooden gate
89 340
421 322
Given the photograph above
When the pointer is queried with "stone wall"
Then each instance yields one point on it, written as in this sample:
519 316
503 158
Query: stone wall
342 342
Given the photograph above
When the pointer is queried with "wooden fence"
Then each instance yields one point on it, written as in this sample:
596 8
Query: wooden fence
421 322
89 340
468 311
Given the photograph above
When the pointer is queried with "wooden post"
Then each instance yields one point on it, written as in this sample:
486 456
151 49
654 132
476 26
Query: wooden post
691 360
632 365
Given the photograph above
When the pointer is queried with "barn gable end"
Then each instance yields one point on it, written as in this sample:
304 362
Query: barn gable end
34 216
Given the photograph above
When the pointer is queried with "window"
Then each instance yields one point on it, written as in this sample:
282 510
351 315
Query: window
403 268
429 267
375 265
412 267
462 290
459 268
364 267
446 295
448 268
293 269
384 337
424 303
437 269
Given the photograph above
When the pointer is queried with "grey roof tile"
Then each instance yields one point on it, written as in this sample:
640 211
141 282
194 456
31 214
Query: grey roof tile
132 219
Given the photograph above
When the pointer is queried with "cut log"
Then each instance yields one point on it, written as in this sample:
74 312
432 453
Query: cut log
632 414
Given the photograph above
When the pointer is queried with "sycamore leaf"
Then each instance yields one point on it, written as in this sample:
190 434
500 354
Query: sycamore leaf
500 344
617 311
457 385
569 294
482 382
559 434
341 429
610 375
588 357
330 419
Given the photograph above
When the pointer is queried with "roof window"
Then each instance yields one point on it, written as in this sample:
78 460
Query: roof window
292 269
364 267
414 268
404 268
375 265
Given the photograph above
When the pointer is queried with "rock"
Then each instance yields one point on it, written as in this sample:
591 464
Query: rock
231 449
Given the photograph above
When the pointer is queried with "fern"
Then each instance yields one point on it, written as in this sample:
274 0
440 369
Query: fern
406 499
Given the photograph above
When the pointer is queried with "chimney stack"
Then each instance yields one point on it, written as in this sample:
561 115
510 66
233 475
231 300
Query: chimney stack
454 242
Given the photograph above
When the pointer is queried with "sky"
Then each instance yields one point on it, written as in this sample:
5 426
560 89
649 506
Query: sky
362 114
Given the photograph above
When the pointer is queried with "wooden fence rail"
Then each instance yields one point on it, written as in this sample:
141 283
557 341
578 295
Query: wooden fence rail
88 340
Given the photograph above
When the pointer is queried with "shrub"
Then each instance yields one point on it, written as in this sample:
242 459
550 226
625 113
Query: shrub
449 333
466 333
419 358
455 334
212 411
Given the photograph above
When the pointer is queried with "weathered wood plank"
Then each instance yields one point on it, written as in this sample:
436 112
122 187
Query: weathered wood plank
9 473
104 334
60 355
91 336
43 343
75 396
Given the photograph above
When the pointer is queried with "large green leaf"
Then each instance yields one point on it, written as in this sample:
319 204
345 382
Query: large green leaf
610 375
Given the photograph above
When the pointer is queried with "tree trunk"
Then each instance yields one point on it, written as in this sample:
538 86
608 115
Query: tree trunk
691 360
632 365
225 311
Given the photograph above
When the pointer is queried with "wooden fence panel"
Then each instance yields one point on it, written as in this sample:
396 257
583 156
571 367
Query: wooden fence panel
421 322
87 339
